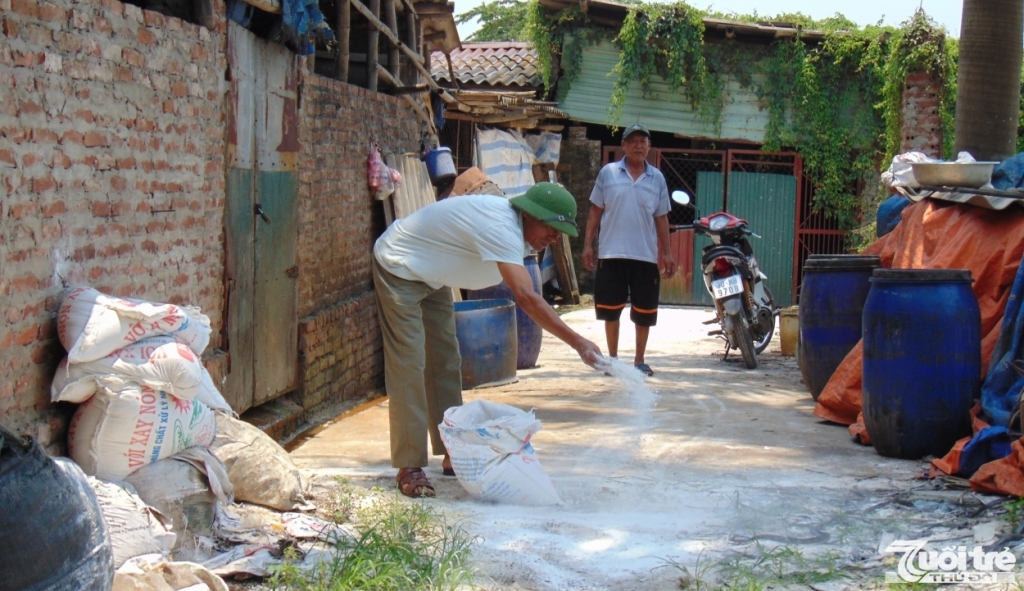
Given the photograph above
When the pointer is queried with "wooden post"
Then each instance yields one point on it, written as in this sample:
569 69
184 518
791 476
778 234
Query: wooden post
344 32
392 22
373 34
410 33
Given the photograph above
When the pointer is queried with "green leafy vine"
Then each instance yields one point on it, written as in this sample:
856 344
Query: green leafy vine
668 41
836 98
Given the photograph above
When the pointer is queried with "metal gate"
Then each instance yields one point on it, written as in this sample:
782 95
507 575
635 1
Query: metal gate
260 221
762 187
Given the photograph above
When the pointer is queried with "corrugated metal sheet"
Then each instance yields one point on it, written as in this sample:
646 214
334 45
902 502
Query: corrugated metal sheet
662 110
768 202
497 64
415 191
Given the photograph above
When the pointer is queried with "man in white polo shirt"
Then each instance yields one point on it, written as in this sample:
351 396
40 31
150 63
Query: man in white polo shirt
471 242
629 213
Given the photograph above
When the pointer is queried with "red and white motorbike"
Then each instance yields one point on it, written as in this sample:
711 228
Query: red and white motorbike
745 309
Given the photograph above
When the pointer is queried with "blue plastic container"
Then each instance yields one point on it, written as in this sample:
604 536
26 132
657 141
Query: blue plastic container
922 360
831 306
440 165
486 331
529 334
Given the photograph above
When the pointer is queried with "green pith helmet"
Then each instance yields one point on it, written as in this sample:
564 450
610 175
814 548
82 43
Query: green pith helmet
549 203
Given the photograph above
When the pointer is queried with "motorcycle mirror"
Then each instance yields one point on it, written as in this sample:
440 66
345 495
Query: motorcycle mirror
681 197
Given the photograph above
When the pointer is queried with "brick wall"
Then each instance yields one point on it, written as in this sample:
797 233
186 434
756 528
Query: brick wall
578 165
112 134
921 130
340 353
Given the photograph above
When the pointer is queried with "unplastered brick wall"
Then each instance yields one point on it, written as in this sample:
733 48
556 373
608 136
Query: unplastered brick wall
921 130
112 131
340 351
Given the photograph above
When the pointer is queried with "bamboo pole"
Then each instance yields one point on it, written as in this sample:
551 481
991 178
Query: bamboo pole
410 33
344 33
417 60
412 102
391 19
373 42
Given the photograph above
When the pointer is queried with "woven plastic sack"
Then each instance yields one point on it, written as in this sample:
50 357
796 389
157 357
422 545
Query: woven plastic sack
261 471
115 433
490 449
161 363
92 325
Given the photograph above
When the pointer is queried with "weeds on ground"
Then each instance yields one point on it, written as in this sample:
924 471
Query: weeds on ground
766 567
1014 512
398 546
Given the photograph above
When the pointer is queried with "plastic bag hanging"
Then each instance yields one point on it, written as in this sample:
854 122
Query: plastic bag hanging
374 165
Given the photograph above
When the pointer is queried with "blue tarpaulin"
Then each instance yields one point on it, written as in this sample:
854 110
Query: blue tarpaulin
990 443
1003 384
889 213
1009 174
304 24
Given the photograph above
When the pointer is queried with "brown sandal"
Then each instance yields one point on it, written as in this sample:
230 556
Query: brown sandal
413 483
446 466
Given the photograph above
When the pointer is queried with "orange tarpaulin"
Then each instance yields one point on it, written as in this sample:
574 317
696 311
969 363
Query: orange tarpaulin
940 235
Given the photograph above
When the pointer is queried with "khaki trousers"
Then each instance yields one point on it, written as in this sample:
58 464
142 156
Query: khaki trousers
422 366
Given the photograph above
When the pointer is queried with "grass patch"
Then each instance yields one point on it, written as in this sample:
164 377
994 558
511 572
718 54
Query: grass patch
780 566
398 546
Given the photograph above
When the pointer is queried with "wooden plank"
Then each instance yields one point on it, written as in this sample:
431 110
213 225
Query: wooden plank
565 270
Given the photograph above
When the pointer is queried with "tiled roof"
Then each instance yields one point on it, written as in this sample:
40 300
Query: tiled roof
496 64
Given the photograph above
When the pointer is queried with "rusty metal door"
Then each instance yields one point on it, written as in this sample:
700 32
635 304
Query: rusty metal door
260 220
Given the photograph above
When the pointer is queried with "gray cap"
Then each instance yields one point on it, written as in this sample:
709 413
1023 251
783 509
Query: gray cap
636 127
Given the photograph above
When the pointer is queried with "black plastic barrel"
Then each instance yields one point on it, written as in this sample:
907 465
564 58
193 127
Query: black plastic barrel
52 533
831 305
486 331
529 334
922 360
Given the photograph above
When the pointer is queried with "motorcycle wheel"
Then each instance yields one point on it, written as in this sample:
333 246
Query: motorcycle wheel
761 344
740 338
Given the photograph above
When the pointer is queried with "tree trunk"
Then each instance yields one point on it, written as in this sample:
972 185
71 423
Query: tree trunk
988 83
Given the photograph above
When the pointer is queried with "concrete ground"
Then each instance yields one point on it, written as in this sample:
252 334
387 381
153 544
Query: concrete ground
718 470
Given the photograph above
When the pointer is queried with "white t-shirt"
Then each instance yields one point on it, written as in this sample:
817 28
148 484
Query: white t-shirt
627 224
456 242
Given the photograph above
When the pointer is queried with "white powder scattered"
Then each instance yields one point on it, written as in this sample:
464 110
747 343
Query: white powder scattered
632 382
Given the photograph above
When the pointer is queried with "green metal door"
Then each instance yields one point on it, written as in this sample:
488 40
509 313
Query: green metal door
768 203
710 194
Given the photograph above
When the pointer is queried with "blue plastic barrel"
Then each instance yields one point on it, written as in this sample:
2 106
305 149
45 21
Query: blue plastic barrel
831 305
486 331
529 333
922 360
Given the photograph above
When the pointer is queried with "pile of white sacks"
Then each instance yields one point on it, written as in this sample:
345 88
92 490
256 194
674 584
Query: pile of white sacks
154 433
135 369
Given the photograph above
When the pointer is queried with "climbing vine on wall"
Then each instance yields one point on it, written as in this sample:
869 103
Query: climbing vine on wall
837 102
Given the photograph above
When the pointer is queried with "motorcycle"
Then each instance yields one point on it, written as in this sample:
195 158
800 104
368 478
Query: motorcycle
744 306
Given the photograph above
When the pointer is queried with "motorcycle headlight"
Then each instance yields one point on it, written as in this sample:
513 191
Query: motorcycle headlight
718 222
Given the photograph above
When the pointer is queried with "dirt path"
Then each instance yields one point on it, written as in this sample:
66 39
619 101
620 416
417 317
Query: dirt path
720 463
